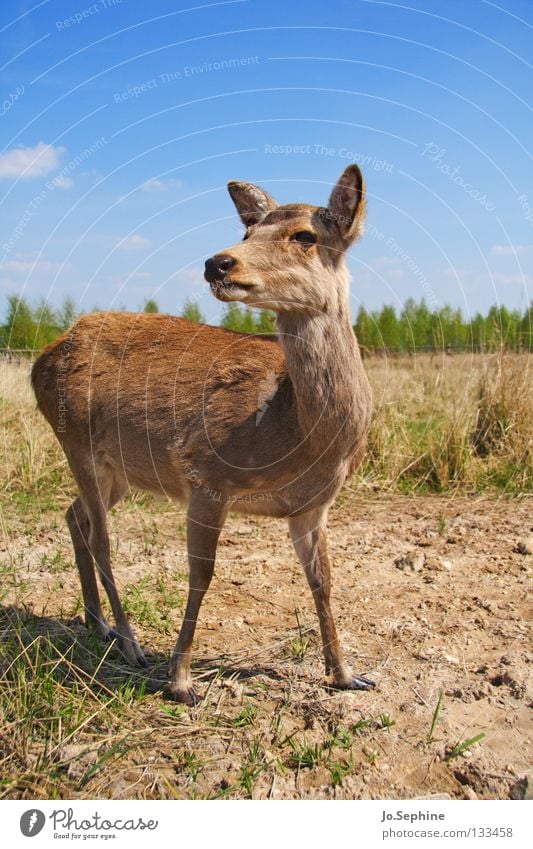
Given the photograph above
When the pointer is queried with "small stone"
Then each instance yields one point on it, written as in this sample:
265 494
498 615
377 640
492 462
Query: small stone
413 561
451 658
236 690
447 564
312 779
523 788
469 793
455 693
524 546
434 796
79 758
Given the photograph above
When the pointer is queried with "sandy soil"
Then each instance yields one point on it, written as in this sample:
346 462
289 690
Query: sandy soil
430 595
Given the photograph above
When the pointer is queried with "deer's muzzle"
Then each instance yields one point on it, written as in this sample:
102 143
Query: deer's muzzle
217 267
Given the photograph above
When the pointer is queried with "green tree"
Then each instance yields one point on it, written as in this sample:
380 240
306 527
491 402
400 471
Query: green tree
47 324
443 328
232 317
366 331
191 311
238 318
418 326
389 329
477 333
460 330
408 324
67 314
20 329
151 305
266 322
526 329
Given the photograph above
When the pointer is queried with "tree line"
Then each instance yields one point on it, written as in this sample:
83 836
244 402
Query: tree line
417 328
413 328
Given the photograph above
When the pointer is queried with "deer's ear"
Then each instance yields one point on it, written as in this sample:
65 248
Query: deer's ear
252 202
347 203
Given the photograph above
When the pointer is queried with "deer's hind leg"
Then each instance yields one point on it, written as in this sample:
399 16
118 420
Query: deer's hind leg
79 527
308 533
100 488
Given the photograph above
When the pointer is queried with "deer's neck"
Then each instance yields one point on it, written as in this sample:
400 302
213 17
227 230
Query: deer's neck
332 393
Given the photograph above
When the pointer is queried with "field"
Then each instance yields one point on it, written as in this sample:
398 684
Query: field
432 546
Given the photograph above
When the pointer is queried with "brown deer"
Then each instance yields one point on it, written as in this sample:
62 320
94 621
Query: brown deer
221 420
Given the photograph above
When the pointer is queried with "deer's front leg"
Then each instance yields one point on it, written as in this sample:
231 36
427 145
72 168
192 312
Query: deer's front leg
308 533
205 519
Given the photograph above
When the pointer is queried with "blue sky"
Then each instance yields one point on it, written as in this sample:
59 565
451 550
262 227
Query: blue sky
123 121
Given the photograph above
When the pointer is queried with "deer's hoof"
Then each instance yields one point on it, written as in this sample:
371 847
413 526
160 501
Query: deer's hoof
360 683
356 683
99 627
185 695
129 648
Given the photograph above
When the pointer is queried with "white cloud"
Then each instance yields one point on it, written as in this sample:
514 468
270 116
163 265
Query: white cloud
30 162
93 174
394 274
458 272
154 185
63 182
23 264
133 243
509 250
512 279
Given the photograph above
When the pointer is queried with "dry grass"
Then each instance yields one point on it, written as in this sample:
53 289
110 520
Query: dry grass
32 462
439 423
443 423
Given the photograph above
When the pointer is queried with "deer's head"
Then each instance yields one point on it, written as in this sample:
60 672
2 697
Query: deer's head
292 257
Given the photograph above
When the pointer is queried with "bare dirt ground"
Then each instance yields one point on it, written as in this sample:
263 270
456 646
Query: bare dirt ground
430 595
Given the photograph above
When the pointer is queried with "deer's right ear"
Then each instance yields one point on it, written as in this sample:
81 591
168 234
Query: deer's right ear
347 203
252 203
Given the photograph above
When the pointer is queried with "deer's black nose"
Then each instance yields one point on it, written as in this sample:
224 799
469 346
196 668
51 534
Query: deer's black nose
217 267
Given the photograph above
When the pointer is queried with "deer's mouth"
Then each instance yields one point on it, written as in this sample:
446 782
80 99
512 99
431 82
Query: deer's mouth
229 290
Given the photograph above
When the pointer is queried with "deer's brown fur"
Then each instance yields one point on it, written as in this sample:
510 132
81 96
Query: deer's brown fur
217 419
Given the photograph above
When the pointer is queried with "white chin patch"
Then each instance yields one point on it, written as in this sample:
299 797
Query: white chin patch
230 291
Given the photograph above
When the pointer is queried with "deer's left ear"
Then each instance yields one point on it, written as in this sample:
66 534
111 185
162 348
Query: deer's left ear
252 202
347 203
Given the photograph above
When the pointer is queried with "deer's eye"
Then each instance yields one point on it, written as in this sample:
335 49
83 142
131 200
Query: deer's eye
304 237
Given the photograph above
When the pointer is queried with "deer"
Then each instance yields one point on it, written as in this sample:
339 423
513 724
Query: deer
218 420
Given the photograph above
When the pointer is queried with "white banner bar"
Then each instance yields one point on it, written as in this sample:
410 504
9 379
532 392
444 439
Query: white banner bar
250 824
